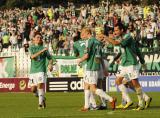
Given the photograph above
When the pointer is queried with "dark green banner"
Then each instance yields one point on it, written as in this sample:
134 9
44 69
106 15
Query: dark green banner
152 61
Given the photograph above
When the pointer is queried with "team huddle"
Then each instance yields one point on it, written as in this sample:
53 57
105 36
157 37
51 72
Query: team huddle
89 51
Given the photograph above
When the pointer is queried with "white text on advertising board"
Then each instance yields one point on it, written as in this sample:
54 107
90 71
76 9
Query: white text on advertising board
10 86
77 85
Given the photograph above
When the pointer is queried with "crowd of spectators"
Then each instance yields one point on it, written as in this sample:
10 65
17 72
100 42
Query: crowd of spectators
60 26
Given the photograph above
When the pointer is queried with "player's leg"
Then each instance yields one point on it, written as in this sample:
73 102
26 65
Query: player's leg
41 92
119 81
86 97
123 103
101 77
42 103
34 90
133 74
103 104
138 90
93 87
146 98
32 84
86 92
102 94
124 91
92 101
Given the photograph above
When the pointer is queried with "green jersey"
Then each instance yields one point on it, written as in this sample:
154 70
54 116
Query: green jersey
94 50
128 50
79 47
38 64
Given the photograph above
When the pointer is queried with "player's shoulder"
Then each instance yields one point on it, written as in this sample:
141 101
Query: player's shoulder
92 40
127 36
76 43
97 42
31 46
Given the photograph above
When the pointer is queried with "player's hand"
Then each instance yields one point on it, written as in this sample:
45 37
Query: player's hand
50 67
118 61
54 62
111 36
106 42
78 62
45 49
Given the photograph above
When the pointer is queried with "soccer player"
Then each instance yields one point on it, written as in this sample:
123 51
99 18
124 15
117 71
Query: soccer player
38 55
93 56
129 64
79 47
128 84
101 76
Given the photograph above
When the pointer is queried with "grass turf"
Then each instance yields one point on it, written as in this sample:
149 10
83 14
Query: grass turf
67 105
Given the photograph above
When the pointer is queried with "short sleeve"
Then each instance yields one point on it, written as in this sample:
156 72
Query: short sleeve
48 55
127 39
30 49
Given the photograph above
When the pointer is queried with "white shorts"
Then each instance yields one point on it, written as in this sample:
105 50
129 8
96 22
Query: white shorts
91 77
129 72
36 78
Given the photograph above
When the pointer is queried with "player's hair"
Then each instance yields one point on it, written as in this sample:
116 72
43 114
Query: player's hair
87 30
121 27
100 32
37 33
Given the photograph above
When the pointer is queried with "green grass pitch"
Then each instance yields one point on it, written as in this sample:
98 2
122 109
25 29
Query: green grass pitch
67 105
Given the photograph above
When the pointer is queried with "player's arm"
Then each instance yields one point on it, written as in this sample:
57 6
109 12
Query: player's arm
111 40
83 58
50 62
33 56
50 65
126 40
116 59
86 53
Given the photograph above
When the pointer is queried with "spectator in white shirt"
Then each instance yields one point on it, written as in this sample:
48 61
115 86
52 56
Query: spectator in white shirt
14 41
150 36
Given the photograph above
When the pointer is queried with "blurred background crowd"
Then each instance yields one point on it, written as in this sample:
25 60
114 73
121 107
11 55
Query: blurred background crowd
61 25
